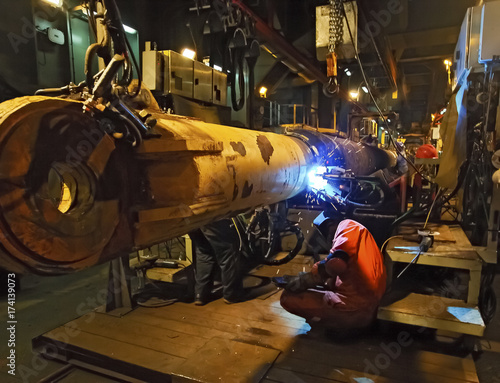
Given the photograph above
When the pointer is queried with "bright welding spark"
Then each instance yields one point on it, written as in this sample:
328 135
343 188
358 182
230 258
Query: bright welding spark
316 180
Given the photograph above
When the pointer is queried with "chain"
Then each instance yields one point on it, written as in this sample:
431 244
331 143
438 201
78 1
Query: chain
336 25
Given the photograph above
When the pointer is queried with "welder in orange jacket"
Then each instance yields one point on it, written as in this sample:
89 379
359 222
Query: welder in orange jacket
354 280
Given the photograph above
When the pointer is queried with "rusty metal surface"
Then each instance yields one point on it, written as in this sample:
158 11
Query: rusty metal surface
72 196
119 199
41 137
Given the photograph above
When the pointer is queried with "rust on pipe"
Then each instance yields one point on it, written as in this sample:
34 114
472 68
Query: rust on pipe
72 196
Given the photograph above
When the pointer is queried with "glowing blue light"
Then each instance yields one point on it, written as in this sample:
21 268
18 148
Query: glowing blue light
316 180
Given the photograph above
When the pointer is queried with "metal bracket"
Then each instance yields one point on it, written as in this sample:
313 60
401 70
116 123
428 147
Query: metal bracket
119 296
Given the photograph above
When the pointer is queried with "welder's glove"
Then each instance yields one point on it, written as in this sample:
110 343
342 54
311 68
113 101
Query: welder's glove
301 283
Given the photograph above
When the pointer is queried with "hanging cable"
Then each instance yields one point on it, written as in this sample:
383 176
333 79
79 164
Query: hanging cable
379 110
238 72
432 207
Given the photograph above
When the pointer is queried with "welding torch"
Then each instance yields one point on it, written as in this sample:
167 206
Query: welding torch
426 241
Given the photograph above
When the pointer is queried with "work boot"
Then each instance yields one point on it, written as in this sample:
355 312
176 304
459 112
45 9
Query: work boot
199 300
232 300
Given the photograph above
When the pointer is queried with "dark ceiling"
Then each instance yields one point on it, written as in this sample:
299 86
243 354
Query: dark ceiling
412 44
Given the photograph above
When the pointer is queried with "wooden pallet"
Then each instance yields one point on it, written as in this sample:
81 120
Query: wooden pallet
452 251
251 341
435 312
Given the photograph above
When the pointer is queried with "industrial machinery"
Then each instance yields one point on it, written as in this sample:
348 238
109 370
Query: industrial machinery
100 170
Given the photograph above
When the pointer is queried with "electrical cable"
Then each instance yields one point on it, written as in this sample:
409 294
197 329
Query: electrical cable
238 70
432 207
487 298
153 296
382 116
137 69
239 234
382 248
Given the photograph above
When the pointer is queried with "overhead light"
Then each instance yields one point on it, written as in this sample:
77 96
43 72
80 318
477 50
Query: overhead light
443 111
129 29
216 67
388 120
186 52
263 91
365 89
347 72
448 64
54 3
354 95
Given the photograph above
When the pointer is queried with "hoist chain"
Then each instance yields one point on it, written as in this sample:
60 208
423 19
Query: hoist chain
336 25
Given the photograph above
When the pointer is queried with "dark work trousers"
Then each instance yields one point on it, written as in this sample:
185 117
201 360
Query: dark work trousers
217 244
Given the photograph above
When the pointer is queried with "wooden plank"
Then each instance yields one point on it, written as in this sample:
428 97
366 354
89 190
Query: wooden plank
465 364
268 336
411 230
228 361
220 321
468 260
164 274
434 312
184 328
143 335
460 249
286 376
240 315
322 370
474 287
118 351
367 356
249 335
309 357
267 311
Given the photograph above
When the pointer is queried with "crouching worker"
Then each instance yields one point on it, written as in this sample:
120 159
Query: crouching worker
353 278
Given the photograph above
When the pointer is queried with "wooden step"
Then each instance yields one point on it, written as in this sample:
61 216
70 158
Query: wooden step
170 275
434 312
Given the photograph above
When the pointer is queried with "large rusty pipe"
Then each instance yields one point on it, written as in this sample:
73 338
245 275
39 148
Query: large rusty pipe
117 199
71 196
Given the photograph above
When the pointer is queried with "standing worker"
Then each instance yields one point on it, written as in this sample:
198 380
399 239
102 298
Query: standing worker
217 244
354 280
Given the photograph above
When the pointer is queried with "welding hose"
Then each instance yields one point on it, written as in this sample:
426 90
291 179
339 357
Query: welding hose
92 50
292 254
238 67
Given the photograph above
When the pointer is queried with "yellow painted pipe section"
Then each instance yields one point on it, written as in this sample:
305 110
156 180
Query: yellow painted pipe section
186 174
215 171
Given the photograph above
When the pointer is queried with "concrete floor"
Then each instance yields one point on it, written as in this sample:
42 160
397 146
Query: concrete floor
47 302
43 304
